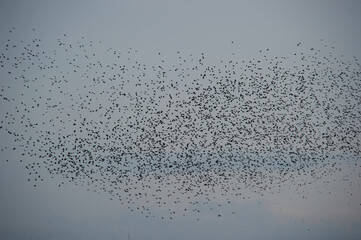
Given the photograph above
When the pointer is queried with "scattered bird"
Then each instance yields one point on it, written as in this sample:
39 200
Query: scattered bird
177 129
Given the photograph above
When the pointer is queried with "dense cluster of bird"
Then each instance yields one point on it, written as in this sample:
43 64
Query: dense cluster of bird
177 128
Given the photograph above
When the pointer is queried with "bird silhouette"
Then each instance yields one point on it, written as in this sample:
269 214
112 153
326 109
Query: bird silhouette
179 131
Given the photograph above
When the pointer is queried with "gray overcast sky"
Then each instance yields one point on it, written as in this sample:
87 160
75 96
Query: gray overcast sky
168 26
195 25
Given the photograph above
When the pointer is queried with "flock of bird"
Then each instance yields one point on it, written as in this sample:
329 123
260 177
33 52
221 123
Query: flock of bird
177 129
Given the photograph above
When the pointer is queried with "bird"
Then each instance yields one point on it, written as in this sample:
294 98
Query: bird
174 131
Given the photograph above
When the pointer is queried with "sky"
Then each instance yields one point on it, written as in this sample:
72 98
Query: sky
221 30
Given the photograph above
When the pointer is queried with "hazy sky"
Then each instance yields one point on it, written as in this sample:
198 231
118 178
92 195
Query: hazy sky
208 26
